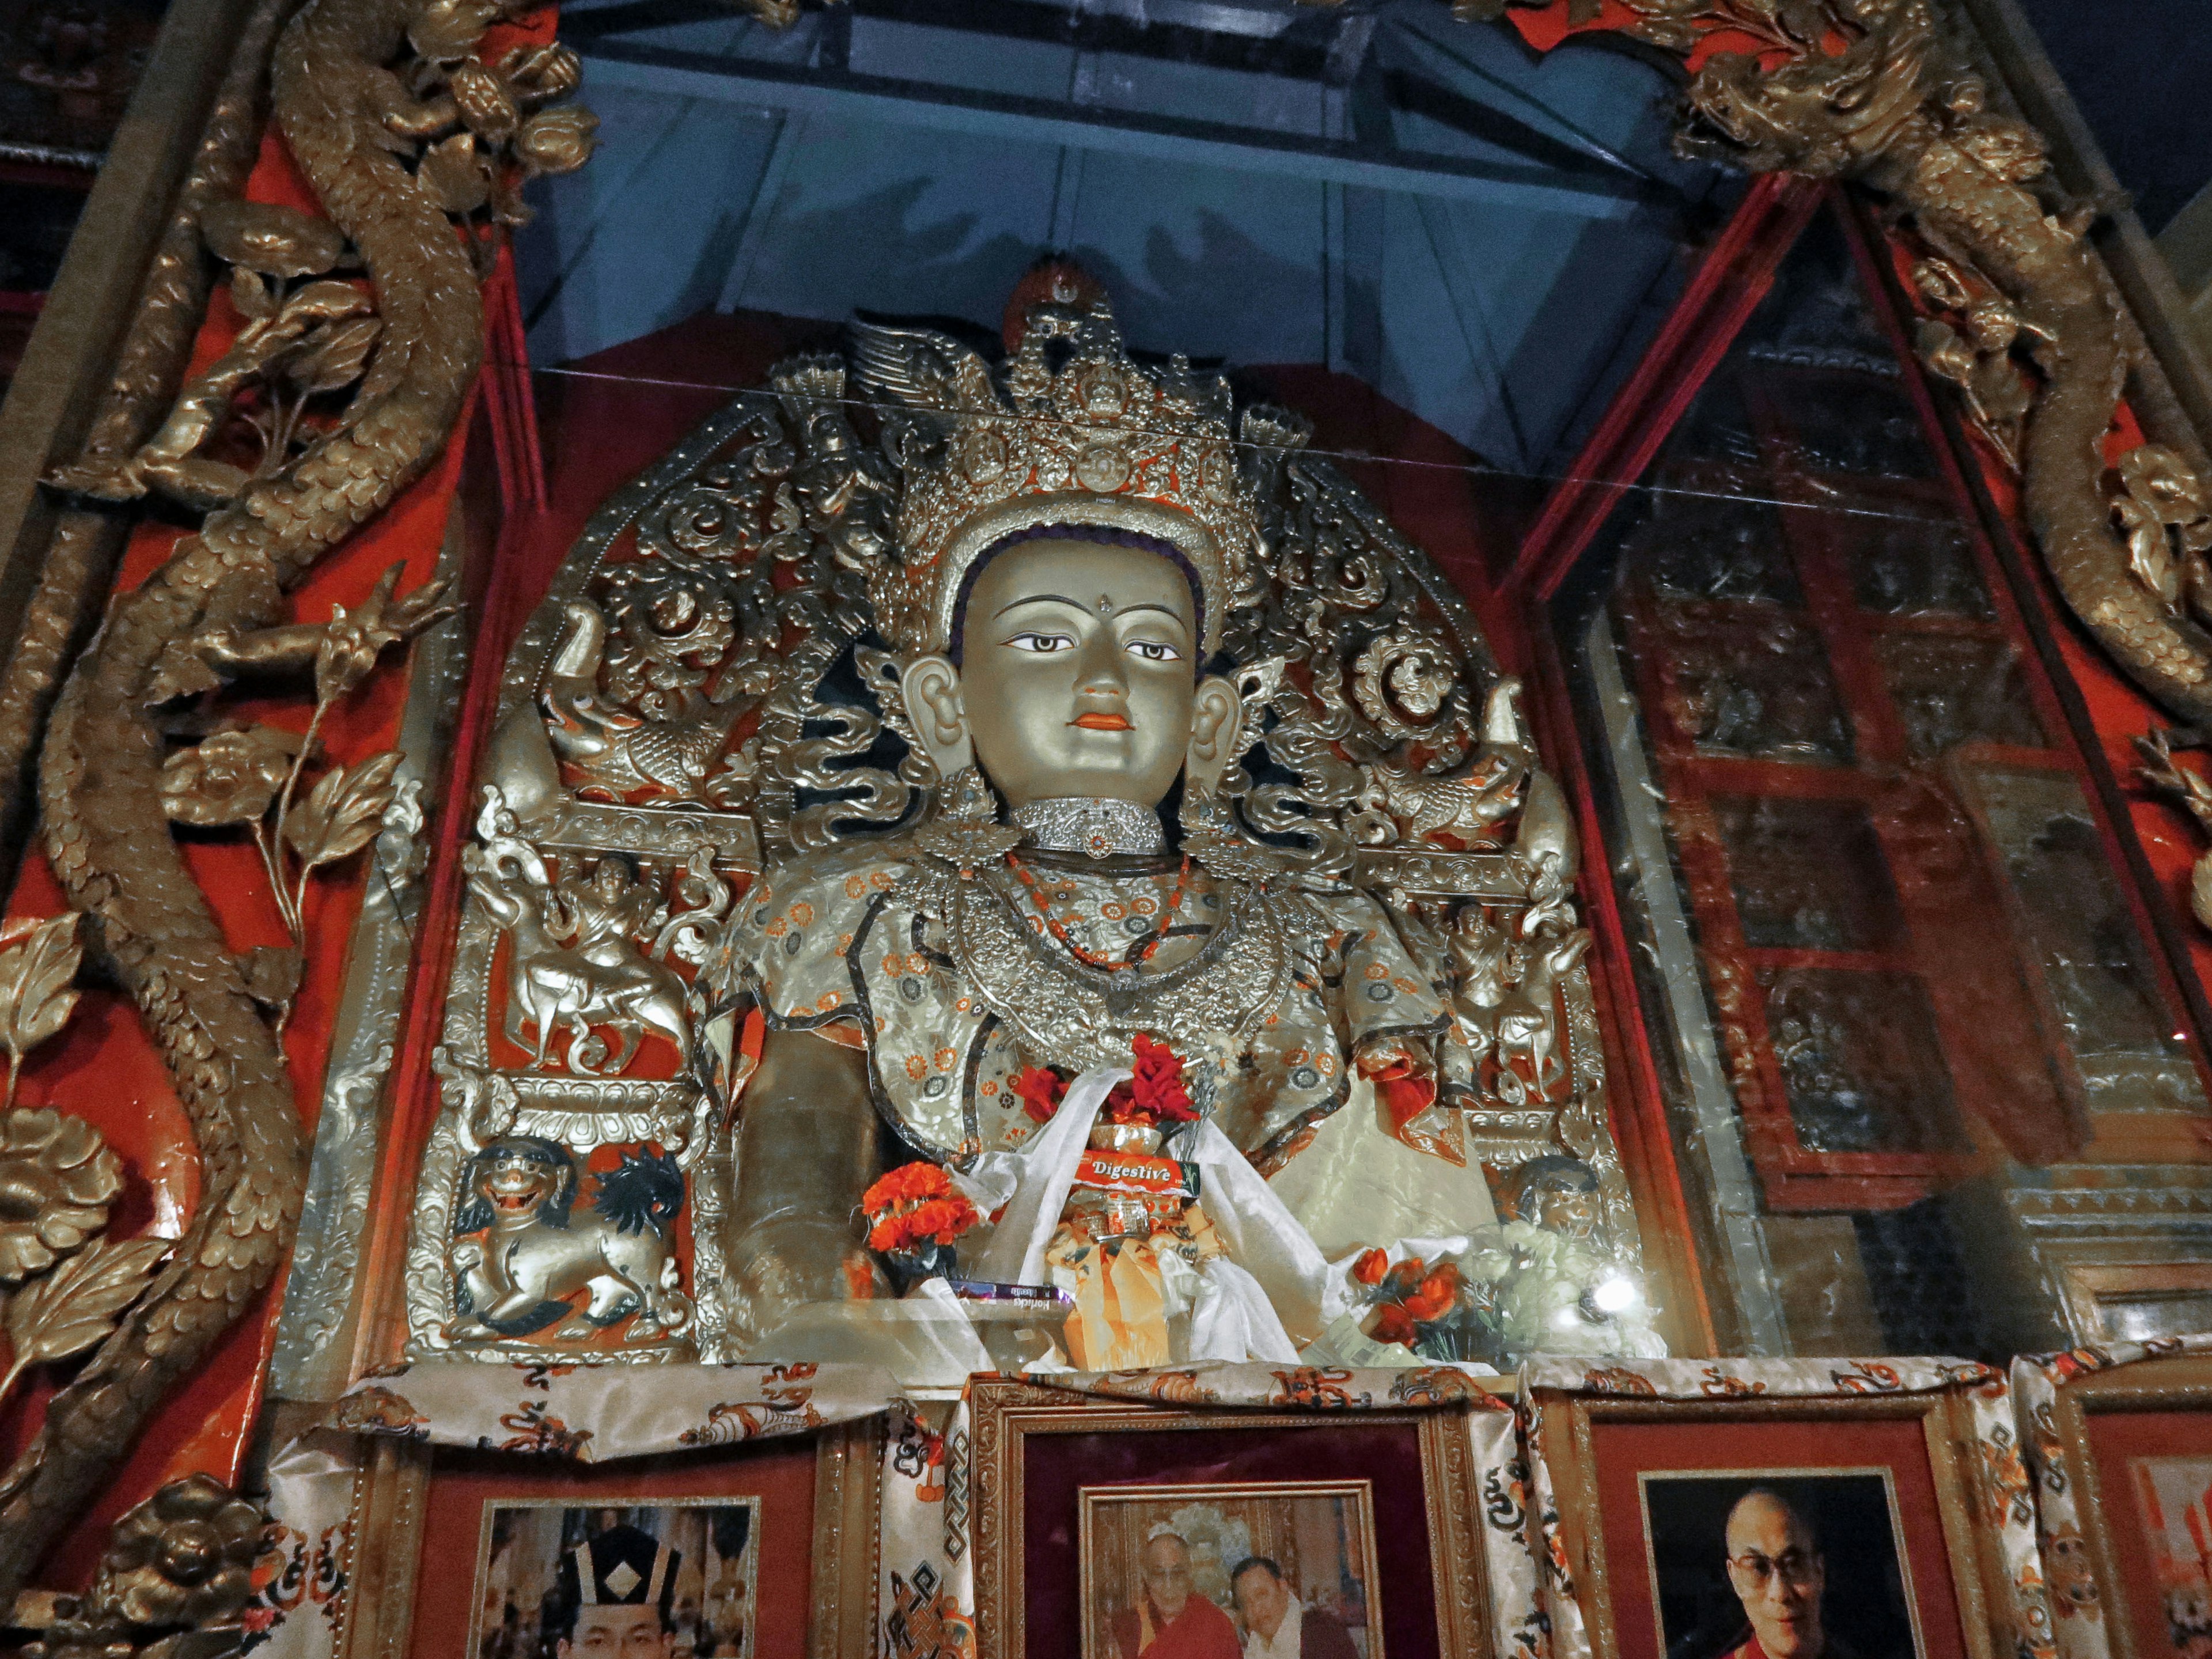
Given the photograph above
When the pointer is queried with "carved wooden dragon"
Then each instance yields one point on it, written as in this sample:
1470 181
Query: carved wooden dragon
1899 112
348 119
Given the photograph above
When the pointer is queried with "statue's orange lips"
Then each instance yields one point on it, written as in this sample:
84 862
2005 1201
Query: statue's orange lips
1102 722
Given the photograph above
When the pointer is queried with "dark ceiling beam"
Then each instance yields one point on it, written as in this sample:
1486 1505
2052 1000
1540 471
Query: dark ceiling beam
1584 192
1296 45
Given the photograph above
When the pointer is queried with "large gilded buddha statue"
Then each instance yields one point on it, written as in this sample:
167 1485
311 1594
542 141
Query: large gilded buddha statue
1160 915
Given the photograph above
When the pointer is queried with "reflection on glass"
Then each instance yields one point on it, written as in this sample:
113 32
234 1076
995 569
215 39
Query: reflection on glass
1851 423
1951 691
1870 902
1808 874
1910 566
1713 547
1751 685
2092 961
1862 1061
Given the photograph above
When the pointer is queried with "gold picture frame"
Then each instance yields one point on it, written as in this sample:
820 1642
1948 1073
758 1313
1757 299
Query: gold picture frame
1978 1584
1011 1418
392 1494
2086 1563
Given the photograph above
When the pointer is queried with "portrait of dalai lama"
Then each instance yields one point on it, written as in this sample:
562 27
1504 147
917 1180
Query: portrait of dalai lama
1168 1618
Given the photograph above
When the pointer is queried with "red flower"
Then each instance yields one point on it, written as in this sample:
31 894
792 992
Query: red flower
1156 1094
1041 1089
1371 1267
1404 1277
1393 1324
1434 1297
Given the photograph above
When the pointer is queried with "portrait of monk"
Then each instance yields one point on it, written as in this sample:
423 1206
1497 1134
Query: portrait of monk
1166 1618
1795 1566
1775 1570
1278 1623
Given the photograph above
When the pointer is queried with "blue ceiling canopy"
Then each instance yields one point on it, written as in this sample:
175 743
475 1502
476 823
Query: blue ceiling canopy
1484 236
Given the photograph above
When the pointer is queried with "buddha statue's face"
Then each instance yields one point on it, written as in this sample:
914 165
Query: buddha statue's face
1078 676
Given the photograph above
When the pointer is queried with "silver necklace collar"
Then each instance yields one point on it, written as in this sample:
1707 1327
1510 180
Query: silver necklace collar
1093 824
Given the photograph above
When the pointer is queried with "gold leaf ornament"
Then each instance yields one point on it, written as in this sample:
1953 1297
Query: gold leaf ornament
557 140
277 241
343 811
249 292
334 355
37 994
57 1176
456 174
72 1308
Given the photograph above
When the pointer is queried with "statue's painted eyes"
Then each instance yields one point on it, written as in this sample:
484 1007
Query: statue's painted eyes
1042 643
1153 651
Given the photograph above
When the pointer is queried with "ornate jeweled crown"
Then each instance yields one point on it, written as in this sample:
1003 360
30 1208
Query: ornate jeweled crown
1072 432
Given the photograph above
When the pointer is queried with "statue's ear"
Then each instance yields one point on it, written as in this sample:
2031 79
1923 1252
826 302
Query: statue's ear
1216 719
931 686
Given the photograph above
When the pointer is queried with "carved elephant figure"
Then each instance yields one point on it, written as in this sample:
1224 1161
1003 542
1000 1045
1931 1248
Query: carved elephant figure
521 1249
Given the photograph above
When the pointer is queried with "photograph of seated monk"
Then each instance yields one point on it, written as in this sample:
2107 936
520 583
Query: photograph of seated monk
1170 1619
1259 1570
1780 1566
663 1581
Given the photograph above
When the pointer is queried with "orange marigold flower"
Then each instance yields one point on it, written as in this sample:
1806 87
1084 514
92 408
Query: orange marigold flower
914 1204
910 1183
1434 1298
1393 1324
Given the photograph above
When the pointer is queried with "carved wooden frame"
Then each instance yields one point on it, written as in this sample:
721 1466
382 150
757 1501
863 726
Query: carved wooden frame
392 1493
2182 1381
1007 1413
1978 1578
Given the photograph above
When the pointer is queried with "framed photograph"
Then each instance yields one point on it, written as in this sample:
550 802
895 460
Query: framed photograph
1756 1525
1104 1526
1798 1560
2123 1442
1291 1562
756 1551
610 1575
